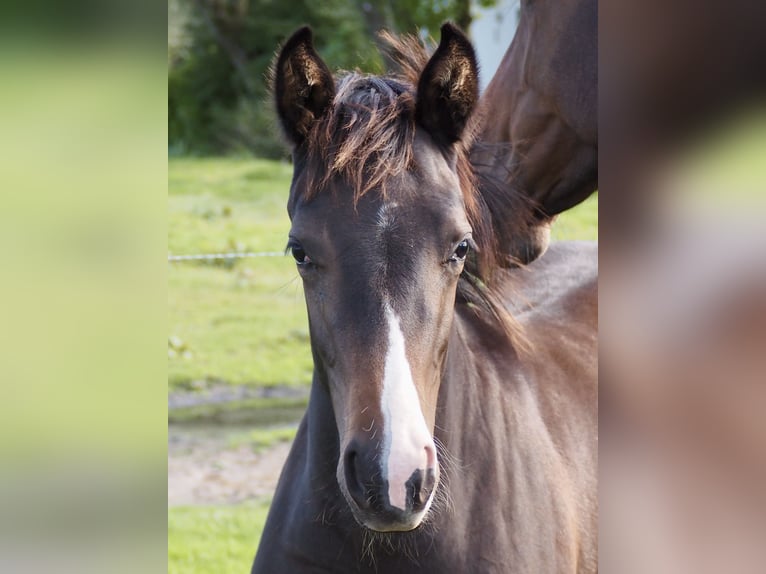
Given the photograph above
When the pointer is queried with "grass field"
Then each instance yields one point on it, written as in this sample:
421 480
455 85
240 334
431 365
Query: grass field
240 323
578 223
245 323
214 539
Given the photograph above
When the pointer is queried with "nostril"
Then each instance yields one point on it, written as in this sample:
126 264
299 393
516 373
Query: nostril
353 484
422 482
414 489
350 463
419 488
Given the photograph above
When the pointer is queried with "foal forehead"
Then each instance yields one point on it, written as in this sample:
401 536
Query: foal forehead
410 203
431 179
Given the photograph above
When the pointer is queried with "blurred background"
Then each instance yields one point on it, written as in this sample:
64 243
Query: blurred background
682 283
83 172
239 359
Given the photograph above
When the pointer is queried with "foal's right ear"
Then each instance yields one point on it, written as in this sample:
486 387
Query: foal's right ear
303 86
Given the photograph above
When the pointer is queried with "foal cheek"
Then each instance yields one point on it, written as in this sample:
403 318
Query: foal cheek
321 326
428 346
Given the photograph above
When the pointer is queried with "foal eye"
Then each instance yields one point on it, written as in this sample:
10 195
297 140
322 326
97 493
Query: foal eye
460 251
300 255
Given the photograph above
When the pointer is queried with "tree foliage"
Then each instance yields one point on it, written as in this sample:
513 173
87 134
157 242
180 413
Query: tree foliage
219 53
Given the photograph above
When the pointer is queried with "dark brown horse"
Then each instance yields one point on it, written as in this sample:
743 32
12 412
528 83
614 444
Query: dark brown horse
452 421
538 122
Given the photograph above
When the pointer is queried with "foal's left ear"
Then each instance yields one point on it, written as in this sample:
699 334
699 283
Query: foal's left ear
448 88
303 85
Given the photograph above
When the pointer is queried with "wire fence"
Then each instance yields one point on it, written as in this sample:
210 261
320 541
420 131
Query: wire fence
223 256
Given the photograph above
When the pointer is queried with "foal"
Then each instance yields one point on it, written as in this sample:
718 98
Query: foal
452 420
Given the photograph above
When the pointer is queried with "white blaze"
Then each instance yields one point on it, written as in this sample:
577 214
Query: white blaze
406 434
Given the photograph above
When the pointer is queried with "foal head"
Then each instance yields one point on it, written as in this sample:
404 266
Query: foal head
381 226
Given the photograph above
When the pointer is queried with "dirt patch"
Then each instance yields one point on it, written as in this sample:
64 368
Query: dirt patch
204 469
224 477
214 456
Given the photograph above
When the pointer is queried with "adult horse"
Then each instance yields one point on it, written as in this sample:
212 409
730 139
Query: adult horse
452 420
538 122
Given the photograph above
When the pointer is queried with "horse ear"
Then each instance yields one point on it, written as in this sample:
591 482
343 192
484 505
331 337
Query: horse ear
448 88
303 85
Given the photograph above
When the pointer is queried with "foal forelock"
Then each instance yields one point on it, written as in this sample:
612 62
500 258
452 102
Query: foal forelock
367 136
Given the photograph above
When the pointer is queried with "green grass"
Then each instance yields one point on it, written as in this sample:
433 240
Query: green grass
245 323
262 439
578 223
219 204
214 539
242 325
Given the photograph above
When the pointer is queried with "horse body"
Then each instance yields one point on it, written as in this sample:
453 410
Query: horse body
452 420
519 434
538 129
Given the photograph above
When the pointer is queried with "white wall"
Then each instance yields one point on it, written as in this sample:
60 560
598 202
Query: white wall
491 33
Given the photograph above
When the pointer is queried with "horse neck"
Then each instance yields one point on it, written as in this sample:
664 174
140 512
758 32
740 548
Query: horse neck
457 392
479 393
